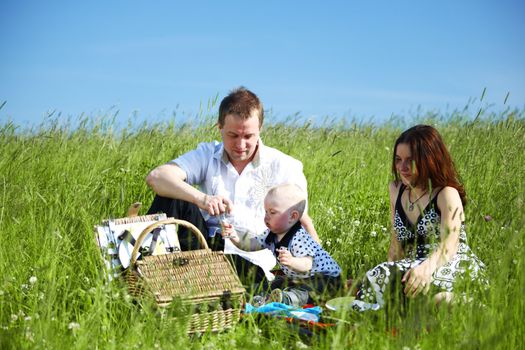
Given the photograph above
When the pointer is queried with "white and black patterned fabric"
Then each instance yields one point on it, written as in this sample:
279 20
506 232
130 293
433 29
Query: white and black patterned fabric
418 241
299 242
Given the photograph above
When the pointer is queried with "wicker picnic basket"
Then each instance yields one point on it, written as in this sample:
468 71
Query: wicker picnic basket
203 281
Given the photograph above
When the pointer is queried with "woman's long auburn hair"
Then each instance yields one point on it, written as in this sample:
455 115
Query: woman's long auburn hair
434 165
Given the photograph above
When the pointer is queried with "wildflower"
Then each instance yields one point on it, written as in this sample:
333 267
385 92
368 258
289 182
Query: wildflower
300 345
73 326
14 317
32 279
357 222
24 286
27 318
373 233
29 335
383 228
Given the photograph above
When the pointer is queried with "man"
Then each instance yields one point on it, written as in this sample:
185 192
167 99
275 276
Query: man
233 176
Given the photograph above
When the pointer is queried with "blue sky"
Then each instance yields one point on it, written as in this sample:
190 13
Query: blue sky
364 60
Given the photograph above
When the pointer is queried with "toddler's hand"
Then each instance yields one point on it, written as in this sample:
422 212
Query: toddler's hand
285 257
227 231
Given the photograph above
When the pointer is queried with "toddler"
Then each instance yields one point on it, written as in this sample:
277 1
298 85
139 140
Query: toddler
308 269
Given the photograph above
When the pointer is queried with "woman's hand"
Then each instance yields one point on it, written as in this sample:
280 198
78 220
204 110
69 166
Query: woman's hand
418 279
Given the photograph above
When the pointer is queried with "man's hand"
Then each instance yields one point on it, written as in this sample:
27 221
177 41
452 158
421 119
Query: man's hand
216 205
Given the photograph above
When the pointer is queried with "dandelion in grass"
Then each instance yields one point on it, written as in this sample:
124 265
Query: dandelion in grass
373 233
32 280
357 222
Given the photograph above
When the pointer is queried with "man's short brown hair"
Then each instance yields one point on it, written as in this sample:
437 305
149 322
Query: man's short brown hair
241 102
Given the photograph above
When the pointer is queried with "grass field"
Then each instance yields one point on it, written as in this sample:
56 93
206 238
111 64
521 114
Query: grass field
57 181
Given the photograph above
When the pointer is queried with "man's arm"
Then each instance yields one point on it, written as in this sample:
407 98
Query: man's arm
168 180
307 223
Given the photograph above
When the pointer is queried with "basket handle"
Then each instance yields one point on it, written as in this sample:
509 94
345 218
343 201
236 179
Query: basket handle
169 221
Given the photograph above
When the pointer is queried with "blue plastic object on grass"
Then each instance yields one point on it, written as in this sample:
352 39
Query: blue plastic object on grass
280 309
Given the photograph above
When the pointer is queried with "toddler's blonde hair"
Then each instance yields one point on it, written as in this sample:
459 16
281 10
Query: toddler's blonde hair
289 194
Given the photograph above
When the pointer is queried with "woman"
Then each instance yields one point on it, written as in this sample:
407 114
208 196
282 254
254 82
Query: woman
428 248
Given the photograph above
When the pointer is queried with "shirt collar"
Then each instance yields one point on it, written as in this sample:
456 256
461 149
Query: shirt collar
256 161
272 237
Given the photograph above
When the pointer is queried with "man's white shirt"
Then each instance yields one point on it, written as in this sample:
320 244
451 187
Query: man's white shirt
208 167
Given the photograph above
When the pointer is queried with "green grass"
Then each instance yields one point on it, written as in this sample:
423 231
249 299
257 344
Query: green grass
58 181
